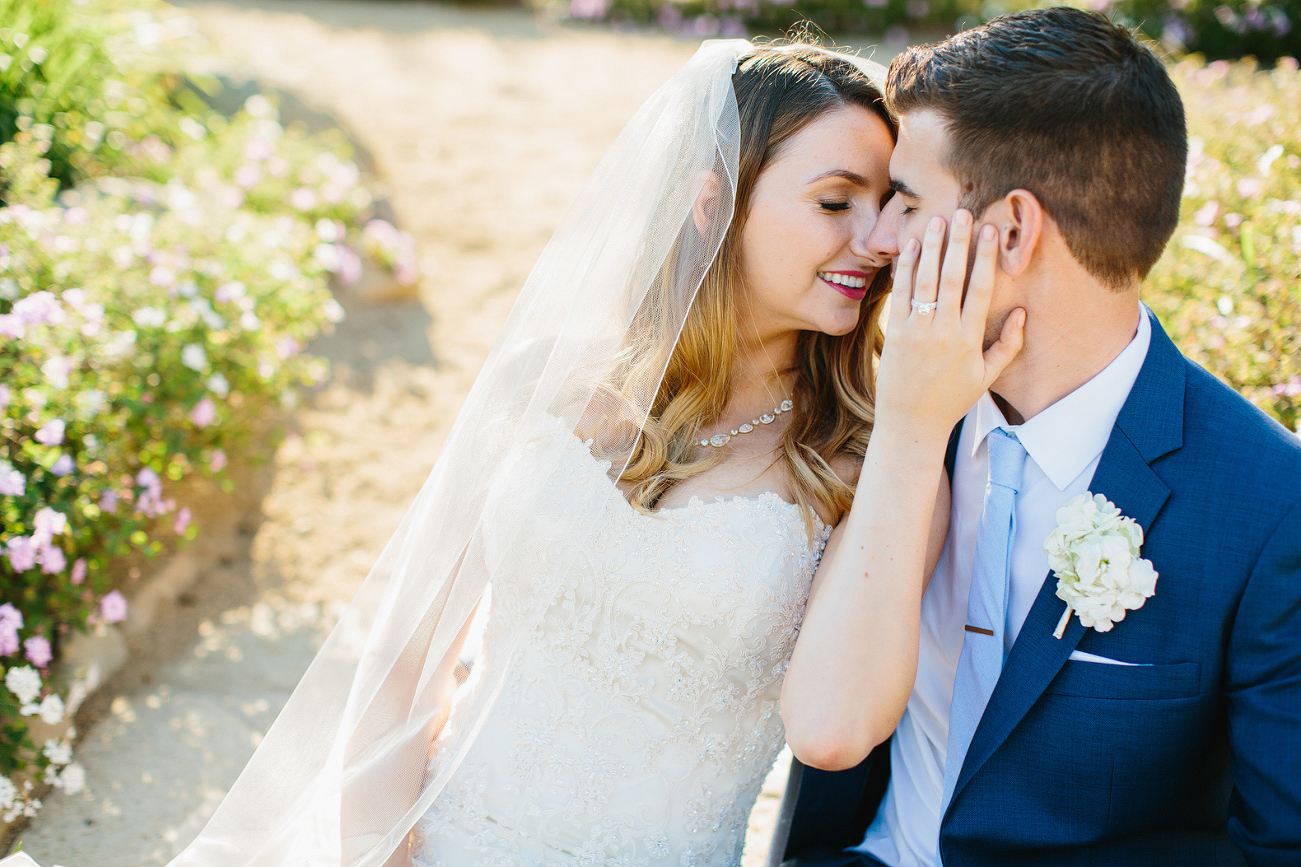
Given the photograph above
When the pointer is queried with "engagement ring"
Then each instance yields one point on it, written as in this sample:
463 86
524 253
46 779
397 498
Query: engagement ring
924 308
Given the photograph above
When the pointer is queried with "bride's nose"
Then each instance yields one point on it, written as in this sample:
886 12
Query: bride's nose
865 242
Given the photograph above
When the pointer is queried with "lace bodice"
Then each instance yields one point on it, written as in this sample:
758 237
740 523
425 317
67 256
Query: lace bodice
640 715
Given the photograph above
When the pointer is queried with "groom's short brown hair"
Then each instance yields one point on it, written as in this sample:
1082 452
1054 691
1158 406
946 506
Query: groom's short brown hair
1071 107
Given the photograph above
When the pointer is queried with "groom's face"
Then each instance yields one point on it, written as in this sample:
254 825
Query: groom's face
923 188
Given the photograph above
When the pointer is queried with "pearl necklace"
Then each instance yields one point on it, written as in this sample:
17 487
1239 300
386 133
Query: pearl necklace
720 440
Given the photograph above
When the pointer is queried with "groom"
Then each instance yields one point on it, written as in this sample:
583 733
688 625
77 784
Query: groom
1175 737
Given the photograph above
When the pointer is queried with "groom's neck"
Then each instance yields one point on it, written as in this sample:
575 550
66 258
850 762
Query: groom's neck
1075 327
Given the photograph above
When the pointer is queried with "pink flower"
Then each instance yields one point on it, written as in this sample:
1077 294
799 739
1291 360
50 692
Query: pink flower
147 478
108 501
247 176
12 326
113 607
1249 188
287 347
182 521
51 433
349 265
218 461
21 551
49 524
53 560
38 651
38 308
63 465
8 639
162 276
257 149
12 483
204 413
10 617
1206 214
229 292
78 571
303 198
5 396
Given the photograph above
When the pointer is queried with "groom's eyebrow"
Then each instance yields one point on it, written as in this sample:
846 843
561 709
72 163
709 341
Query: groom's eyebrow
903 189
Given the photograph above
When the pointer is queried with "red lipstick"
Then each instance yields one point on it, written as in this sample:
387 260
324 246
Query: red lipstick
855 293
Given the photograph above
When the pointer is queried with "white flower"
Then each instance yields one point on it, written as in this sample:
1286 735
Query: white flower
149 317
73 779
218 385
1095 554
56 370
58 752
52 710
120 344
193 357
89 403
24 682
333 310
8 793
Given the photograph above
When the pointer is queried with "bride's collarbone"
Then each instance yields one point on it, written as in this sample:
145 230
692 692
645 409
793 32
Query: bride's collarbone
742 475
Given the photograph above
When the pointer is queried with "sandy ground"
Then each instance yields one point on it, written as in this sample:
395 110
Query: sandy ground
481 125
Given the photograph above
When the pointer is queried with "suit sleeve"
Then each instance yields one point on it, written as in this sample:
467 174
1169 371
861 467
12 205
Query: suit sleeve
1263 690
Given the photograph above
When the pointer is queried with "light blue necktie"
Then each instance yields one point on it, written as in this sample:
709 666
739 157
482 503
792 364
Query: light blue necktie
983 642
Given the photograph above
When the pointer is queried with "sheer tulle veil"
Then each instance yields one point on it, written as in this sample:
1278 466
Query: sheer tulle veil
341 776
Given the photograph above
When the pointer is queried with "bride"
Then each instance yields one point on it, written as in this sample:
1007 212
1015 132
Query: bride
666 453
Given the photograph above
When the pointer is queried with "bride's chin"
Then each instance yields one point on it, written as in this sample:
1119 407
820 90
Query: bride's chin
841 326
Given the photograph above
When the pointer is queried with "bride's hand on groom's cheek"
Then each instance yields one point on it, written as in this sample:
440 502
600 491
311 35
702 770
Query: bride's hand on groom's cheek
935 364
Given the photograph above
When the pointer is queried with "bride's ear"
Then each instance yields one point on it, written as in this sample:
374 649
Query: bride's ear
709 199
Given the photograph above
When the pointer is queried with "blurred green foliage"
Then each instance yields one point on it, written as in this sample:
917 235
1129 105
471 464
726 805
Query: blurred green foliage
1229 284
1264 29
84 75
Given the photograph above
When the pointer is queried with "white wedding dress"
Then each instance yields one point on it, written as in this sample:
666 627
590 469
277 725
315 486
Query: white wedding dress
640 716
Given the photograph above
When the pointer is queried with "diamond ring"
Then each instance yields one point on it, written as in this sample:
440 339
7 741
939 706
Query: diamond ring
924 308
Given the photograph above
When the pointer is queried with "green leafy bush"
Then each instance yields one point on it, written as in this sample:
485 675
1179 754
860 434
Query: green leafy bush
83 75
1217 29
1265 29
1229 285
157 288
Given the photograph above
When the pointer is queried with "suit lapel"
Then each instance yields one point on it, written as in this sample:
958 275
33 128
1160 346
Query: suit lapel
1150 425
951 452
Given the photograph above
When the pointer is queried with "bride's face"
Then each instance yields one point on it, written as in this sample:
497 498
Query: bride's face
804 258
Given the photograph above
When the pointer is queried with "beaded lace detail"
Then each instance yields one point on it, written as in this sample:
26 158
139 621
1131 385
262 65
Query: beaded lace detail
640 717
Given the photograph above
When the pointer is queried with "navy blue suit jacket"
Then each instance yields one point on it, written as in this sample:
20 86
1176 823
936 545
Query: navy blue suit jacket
1193 757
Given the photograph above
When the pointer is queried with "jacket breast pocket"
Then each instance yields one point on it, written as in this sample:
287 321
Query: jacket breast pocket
1133 682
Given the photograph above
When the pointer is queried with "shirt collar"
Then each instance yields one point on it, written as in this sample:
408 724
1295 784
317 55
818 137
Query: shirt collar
1066 437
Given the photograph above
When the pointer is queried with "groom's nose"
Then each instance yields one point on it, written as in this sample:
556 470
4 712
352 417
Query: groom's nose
883 241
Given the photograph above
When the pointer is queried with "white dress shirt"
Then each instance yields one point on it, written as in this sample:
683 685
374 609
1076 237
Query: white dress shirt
1063 445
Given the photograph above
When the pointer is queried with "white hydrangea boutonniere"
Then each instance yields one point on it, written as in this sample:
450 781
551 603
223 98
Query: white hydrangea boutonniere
1095 554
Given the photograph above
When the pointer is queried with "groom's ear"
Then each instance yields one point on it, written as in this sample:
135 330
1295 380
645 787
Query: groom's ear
1020 223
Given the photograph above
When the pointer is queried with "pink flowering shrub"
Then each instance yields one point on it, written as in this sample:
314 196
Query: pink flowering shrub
158 284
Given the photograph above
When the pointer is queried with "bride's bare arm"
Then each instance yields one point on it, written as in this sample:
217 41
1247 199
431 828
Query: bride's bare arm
853 666
401 779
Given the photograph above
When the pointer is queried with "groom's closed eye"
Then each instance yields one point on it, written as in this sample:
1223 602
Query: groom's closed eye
898 187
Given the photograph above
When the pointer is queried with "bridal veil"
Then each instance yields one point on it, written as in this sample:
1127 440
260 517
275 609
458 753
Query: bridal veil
340 777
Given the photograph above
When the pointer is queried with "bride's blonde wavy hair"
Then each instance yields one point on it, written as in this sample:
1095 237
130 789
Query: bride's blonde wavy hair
778 93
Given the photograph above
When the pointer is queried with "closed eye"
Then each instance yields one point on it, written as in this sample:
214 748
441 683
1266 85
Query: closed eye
835 206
